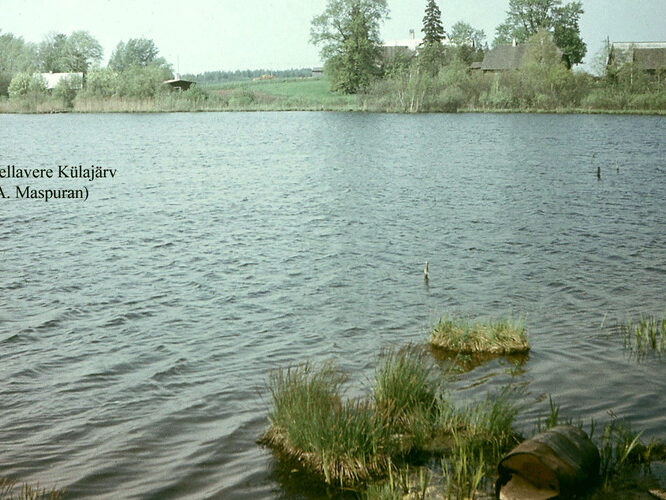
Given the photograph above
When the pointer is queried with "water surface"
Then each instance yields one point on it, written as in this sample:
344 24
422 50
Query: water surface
137 328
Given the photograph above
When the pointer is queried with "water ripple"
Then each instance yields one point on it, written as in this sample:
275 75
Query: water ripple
137 331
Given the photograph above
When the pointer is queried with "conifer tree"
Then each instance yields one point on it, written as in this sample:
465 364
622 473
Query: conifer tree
432 24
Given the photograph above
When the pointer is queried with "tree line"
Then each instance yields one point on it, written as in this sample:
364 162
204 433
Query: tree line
438 76
241 75
135 68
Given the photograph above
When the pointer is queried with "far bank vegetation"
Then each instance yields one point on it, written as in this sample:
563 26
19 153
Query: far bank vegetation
359 74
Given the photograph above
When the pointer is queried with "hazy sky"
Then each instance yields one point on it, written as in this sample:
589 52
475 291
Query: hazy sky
207 35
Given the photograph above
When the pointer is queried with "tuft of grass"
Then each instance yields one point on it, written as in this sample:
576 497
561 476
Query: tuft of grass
465 471
646 335
405 396
487 424
10 491
619 450
405 421
345 442
504 336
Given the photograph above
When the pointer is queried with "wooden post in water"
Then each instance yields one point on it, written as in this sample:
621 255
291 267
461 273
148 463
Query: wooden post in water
598 172
425 271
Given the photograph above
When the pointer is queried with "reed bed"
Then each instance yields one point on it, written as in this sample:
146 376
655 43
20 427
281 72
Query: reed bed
462 335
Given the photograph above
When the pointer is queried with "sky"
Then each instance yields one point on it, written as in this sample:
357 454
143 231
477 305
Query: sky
209 35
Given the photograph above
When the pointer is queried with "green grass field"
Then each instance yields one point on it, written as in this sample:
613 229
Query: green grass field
300 93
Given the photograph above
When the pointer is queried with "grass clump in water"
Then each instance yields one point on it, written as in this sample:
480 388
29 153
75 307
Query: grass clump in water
647 335
405 396
345 442
404 424
462 335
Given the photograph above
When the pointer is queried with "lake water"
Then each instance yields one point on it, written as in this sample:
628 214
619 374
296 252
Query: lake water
137 328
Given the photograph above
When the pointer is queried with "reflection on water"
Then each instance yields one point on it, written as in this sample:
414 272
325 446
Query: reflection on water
137 329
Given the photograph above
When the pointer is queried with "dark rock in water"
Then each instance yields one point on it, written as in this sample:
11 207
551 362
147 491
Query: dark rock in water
557 463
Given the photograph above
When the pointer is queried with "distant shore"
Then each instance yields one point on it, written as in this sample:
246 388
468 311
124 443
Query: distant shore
297 94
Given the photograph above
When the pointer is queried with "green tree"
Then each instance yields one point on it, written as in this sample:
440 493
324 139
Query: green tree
348 35
463 33
566 33
543 75
67 88
469 42
431 53
102 83
525 18
136 52
15 56
51 53
432 24
25 83
60 53
82 51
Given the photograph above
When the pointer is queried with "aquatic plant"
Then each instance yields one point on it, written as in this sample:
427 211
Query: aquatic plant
647 335
353 442
504 336
10 491
344 441
405 395
463 473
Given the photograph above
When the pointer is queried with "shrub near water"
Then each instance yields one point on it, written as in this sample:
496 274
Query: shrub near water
464 336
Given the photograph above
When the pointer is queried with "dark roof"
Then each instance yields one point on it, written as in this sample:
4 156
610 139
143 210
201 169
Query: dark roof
178 83
650 58
503 57
475 65
646 55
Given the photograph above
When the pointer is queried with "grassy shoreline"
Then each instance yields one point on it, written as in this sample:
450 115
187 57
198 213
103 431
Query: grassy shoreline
139 107
298 94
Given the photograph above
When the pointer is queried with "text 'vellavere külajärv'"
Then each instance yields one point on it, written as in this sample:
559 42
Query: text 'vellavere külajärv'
62 172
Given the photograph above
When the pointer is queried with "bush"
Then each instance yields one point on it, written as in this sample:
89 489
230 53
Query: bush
450 99
498 97
142 82
67 88
241 98
195 94
24 83
101 83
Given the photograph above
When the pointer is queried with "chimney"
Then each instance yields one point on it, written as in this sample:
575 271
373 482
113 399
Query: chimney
411 34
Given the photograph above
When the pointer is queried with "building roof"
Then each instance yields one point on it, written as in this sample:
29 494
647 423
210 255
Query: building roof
410 43
650 58
503 57
646 55
52 79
